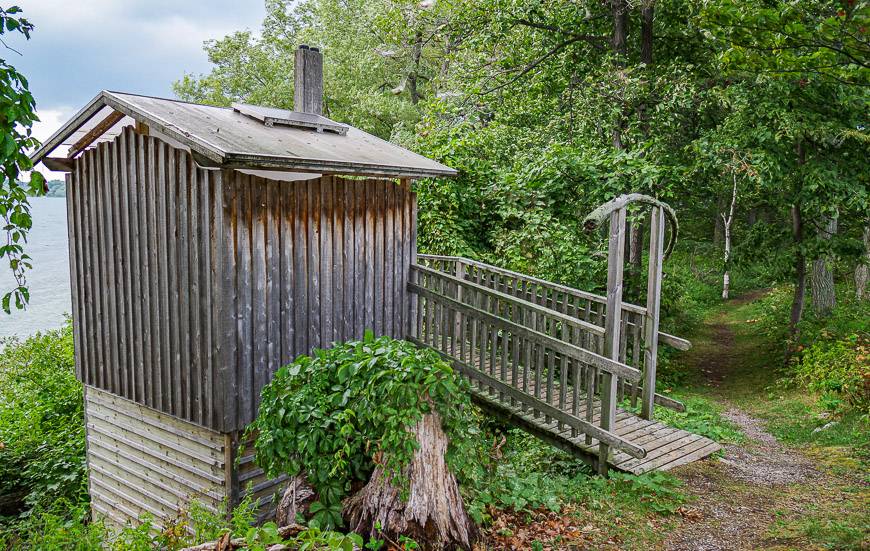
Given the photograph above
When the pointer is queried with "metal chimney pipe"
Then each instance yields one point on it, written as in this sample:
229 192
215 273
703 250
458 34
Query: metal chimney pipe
308 86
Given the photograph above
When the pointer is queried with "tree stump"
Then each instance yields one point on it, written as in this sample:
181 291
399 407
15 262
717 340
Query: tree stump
434 515
298 496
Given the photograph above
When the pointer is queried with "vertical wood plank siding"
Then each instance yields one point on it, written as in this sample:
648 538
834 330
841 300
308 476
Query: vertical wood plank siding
309 263
143 221
192 286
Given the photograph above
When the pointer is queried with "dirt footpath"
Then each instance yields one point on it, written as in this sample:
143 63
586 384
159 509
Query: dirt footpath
741 496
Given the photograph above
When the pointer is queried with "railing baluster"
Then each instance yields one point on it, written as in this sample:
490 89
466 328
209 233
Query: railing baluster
474 334
539 362
623 351
636 357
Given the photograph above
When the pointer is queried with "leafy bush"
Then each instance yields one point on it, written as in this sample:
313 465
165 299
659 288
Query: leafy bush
42 438
833 352
839 370
55 531
332 415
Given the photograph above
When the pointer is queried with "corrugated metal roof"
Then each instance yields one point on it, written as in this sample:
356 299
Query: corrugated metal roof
220 136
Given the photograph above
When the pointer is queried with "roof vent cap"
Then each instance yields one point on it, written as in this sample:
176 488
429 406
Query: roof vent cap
271 116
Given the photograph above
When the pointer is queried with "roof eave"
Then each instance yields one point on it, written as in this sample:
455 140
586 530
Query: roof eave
245 160
65 131
196 144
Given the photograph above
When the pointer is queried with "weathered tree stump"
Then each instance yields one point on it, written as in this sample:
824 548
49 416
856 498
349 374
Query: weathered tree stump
298 496
434 514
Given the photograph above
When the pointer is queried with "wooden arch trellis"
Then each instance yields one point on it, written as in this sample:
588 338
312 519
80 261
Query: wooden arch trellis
616 210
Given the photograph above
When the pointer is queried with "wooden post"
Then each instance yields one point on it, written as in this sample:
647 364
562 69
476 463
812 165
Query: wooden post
651 318
612 327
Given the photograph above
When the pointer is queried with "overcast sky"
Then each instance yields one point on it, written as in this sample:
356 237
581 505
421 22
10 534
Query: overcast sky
80 47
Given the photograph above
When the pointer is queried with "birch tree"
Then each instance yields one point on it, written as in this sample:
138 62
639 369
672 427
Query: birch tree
726 226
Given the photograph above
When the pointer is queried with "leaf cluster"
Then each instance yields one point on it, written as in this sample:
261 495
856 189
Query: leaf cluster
42 433
335 415
17 115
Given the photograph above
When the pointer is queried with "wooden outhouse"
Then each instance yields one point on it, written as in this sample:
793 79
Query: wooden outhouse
208 247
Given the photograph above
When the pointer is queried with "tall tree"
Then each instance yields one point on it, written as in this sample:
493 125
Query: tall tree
807 64
824 294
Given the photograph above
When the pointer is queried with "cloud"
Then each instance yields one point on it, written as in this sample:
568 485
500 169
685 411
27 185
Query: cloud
79 48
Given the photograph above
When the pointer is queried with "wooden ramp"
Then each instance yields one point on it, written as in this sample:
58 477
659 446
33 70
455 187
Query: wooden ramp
534 354
666 447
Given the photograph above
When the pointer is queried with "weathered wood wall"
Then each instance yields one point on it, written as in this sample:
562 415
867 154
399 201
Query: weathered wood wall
308 264
141 461
192 286
144 227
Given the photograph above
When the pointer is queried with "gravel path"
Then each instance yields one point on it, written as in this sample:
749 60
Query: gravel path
738 494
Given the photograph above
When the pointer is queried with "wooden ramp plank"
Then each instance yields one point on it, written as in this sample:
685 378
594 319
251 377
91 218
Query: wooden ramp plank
666 447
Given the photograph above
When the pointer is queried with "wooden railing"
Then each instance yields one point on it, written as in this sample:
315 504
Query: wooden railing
521 352
582 306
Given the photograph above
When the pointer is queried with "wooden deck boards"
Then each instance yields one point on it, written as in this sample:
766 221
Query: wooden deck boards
666 447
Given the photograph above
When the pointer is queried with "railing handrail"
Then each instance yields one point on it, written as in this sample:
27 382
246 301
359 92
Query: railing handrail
565 318
571 421
570 350
555 286
671 340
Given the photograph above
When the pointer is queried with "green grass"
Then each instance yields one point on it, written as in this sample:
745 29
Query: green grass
528 479
840 523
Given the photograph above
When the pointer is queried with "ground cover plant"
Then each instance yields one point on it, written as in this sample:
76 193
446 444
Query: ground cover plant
41 425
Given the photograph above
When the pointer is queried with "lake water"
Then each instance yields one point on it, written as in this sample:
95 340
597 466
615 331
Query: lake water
48 281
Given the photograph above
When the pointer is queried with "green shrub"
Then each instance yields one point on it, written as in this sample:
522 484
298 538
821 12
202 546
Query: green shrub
839 370
333 414
42 432
833 352
526 475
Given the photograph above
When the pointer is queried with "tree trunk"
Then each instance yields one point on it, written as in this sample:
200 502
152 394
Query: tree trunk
800 268
862 272
646 32
635 240
752 216
416 54
620 35
824 294
718 227
800 261
635 255
434 514
296 500
726 225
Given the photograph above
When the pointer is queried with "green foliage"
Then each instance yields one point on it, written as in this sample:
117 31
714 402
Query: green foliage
334 415
832 359
55 531
529 475
42 440
17 115
839 370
